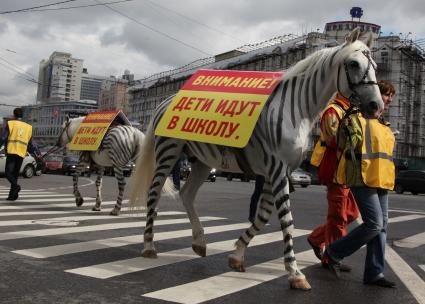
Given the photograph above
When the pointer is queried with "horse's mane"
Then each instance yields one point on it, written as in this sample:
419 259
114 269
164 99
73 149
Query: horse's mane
313 61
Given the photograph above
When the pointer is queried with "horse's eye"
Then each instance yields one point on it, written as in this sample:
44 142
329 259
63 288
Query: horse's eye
354 64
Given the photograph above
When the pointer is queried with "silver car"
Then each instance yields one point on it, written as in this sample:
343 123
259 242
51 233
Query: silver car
28 168
300 177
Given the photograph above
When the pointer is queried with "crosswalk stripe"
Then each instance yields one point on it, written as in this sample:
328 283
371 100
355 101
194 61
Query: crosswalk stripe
405 218
413 241
422 267
58 231
27 192
121 267
78 218
406 211
407 275
87 201
58 250
229 282
46 200
25 195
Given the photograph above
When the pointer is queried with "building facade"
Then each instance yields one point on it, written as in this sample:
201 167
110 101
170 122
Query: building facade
59 78
400 61
91 85
113 95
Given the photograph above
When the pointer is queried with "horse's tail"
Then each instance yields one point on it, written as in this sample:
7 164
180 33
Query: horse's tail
144 172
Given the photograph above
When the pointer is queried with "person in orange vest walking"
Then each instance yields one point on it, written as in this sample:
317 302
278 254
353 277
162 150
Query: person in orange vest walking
342 207
17 138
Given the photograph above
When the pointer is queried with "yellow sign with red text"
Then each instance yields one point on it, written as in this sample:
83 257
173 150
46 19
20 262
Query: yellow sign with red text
218 107
91 131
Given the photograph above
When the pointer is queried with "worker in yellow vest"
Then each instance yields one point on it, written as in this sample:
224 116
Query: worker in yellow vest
17 138
342 207
366 165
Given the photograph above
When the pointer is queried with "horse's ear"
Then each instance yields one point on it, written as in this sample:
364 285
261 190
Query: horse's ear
353 36
369 42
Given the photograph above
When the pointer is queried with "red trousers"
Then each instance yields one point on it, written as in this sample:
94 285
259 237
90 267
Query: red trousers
342 210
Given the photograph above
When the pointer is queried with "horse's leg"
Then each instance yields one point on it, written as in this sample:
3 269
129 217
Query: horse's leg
78 198
297 280
188 192
121 185
167 153
236 259
100 172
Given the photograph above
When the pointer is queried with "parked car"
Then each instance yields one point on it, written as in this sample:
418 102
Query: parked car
410 180
53 163
69 166
300 177
186 169
28 169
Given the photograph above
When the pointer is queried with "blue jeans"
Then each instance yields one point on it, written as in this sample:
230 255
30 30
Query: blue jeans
373 206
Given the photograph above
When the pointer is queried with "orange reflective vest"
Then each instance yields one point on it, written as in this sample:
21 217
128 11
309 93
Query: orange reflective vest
19 136
320 147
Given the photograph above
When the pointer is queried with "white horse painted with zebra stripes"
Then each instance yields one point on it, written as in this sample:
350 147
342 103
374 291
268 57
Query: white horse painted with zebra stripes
120 145
276 146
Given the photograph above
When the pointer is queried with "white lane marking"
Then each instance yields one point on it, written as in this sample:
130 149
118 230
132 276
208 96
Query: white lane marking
25 196
90 200
422 267
230 282
405 218
407 211
413 241
121 267
407 275
46 200
58 231
92 217
57 250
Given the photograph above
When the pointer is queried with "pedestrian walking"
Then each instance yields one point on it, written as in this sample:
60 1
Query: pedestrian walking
342 208
367 167
17 139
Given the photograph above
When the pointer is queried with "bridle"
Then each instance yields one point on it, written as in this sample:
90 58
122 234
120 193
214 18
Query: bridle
355 98
64 130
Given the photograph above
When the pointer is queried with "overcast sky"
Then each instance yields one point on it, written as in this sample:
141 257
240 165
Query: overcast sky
174 32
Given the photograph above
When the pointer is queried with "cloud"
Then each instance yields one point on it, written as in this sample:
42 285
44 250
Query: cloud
110 42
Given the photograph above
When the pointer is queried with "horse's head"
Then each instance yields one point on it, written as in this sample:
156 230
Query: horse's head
69 127
356 75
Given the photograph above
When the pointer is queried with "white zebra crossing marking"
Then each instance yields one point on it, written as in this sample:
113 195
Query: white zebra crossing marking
46 200
88 217
405 218
87 200
57 231
229 282
25 195
121 267
407 275
422 267
413 241
52 251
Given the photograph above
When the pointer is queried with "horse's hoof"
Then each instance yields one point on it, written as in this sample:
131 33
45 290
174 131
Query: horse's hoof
95 209
200 250
79 201
236 264
299 283
114 212
150 254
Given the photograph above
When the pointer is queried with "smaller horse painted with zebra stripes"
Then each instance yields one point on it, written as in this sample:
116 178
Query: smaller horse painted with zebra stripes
120 145
276 146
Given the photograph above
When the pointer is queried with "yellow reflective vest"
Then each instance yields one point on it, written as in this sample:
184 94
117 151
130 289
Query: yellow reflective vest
320 147
19 136
377 167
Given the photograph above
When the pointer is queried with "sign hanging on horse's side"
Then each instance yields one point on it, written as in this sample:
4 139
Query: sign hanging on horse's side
218 107
93 128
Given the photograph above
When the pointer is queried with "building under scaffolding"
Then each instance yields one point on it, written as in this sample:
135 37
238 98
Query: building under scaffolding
399 60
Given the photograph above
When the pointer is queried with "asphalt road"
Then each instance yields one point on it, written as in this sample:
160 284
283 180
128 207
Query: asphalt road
54 252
